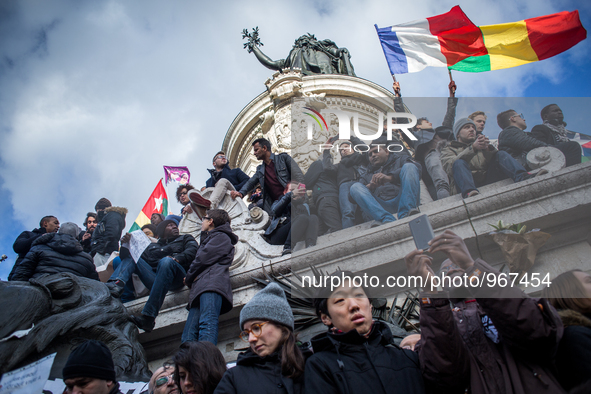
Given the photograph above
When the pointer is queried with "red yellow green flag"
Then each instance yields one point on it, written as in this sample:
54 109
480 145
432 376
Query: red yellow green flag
157 203
530 40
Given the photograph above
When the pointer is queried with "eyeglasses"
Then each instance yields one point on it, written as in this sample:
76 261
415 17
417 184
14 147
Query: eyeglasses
256 330
163 380
220 157
520 115
183 193
206 218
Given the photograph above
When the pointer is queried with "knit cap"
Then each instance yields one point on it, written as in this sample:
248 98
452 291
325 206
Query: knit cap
92 359
461 123
268 304
102 204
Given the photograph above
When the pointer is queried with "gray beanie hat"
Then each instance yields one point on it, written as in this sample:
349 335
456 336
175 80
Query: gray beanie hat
70 229
461 123
268 304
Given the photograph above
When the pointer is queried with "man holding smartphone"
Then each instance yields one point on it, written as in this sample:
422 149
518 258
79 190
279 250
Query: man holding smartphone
494 339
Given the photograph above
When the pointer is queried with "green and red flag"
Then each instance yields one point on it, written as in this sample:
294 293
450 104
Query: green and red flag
157 203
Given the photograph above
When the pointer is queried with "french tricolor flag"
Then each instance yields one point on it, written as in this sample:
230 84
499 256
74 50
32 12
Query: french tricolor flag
439 41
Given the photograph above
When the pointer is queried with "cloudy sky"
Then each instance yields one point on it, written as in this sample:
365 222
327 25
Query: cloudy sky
95 96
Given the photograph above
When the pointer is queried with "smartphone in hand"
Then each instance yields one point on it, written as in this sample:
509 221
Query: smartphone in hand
421 231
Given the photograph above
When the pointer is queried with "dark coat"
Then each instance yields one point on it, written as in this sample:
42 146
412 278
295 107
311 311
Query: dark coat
22 245
283 209
257 375
236 176
105 238
182 248
518 143
456 354
545 134
392 167
54 253
286 169
350 363
322 180
573 359
350 167
424 144
210 271
87 244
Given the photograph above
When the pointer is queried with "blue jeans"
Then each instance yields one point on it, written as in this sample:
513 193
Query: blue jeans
169 275
382 210
202 322
502 166
128 291
347 207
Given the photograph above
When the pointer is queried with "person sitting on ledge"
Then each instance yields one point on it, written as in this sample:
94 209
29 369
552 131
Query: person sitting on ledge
390 184
513 139
161 267
472 161
553 132
54 253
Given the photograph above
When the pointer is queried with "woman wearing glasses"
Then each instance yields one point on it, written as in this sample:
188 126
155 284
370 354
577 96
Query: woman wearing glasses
274 363
198 367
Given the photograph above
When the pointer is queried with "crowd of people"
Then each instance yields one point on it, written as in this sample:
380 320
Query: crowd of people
504 343
492 339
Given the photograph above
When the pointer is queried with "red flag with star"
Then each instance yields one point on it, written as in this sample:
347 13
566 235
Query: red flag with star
157 203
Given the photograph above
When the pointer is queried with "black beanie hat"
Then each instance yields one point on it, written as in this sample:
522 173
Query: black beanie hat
102 204
92 359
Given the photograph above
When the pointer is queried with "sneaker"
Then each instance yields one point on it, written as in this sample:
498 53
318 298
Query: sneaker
286 251
116 288
473 193
543 171
414 211
199 200
144 322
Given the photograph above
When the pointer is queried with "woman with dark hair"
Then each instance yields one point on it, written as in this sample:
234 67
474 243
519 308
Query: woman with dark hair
273 363
199 366
570 294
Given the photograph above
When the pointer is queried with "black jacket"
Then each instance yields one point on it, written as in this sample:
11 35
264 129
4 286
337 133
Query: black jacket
87 244
286 169
322 180
350 167
210 271
518 143
257 375
392 167
423 144
236 176
53 253
105 238
573 359
182 248
350 363
22 245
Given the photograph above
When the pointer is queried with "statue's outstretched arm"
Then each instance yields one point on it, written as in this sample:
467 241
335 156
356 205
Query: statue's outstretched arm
267 61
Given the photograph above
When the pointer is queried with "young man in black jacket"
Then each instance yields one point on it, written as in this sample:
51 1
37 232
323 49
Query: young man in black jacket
208 278
513 139
553 132
161 267
273 175
357 354
23 243
105 238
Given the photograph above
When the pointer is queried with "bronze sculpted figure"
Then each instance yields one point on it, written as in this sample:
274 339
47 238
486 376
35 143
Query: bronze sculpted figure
308 54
